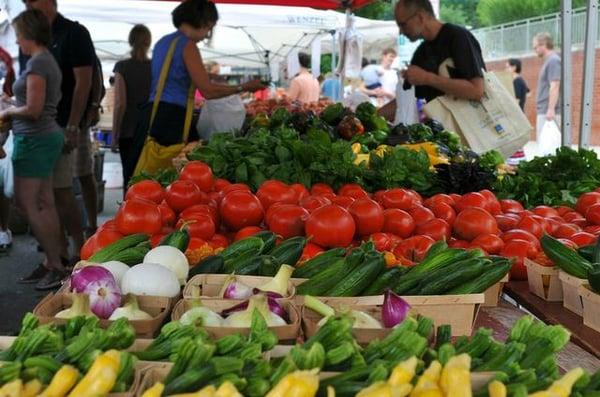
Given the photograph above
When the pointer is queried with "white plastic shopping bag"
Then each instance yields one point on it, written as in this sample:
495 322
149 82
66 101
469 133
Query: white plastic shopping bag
6 169
406 105
221 115
549 139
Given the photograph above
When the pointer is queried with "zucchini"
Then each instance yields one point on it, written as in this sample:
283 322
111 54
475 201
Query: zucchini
453 278
213 264
360 278
269 238
289 251
436 248
443 335
386 280
565 258
596 252
587 252
178 239
492 274
231 265
319 284
131 256
440 272
314 265
107 253
250 244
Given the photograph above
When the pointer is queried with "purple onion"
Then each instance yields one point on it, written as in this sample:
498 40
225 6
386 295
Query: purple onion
237 290
100 285
274 306
270 294
394 310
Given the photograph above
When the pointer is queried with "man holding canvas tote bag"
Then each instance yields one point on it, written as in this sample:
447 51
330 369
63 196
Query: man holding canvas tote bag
448 71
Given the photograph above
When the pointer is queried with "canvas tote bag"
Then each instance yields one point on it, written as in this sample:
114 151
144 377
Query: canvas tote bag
155 156
495 122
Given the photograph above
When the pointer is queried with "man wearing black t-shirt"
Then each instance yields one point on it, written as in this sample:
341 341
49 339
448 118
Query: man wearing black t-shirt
448 61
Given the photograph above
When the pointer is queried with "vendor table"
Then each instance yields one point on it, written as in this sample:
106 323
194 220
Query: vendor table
500 319
554 313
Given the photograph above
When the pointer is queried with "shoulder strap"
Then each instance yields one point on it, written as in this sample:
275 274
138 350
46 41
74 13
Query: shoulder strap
188 113
164 72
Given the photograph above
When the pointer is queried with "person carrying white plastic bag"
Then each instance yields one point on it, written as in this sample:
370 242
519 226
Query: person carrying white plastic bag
221 115
549 139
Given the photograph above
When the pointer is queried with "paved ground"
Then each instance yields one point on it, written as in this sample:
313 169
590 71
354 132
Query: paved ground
17 299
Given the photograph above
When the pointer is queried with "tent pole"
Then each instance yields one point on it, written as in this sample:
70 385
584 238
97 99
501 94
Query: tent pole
591 28
566 71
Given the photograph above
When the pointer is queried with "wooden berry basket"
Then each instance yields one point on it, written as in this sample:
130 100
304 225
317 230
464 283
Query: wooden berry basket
571 297
591 307
544 281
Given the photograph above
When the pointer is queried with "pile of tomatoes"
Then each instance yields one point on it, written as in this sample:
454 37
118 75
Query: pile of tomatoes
399 221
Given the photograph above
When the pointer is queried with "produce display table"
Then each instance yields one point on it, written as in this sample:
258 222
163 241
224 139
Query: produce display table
555 313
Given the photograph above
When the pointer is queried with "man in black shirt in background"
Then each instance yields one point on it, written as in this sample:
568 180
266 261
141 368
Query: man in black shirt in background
448 61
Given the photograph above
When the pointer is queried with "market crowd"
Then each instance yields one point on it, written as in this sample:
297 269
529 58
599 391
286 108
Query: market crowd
55 100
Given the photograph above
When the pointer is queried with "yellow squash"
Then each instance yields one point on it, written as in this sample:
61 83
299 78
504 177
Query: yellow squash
63 381
101 377
154 391
297 384
403 372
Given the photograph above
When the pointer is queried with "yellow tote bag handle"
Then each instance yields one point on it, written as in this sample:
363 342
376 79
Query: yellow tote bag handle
164 73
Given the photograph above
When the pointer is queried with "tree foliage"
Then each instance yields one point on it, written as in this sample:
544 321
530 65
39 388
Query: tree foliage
495 12
381 10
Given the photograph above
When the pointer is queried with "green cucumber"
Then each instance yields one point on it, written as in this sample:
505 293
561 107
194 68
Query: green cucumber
178 239
318 263
213 264
131 256
269 238
453 278
250 244
269 266
386 280
492 274
254 266
231 265
289 251
587 252
319 284
360 278
565 258
108 253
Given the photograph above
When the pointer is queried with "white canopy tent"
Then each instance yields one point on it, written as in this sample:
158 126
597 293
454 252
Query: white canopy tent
246 35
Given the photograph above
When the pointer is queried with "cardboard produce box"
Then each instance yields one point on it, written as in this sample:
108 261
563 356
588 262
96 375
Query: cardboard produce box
571 297
158 307
289 332
543 281
591 307
492 294
211 284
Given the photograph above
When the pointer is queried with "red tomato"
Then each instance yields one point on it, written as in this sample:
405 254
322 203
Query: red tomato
235 186
552 225
156 239
378 196
271 210
89 248
382 241
310 251
519 250
421 214
198 225
437 229
545 211
273 191
493 205
398 222
472 222
471 200
301 191
402 199
489 242
215 197
528 223
183 194
288 220
459 244
241 208
199 173
167 215
593 214
368 216
247 232
220 184
109 224
563 210
414 248
437 199
352 190
568 243
595 230
147 190
519 234
138 216
311 203
574 217
547 227
343 201
585 201
105 237
202 209
565 230
331 226
218 241
506 222
444 211
583 238
320 188
509 205
456 197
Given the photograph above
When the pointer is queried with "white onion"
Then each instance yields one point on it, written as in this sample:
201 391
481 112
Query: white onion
172 259
118 269
150 279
